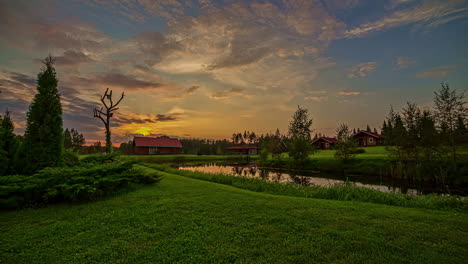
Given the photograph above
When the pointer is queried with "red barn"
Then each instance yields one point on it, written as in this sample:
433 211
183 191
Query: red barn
156 145
367 138
243 150
324 142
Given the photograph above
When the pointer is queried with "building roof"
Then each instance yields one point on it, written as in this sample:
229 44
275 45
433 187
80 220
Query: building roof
327 139
243 147
157 142
372 134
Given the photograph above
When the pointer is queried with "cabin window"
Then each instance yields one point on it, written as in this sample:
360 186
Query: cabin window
371 140
153 150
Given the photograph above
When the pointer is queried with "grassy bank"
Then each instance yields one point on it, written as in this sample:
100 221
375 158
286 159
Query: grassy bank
184 158
186 220
339 192
374 161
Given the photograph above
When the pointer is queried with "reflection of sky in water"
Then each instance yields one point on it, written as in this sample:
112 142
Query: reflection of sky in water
252 171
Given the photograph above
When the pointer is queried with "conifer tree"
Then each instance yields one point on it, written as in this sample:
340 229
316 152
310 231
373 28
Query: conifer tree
9 142
67 139
43 138
3 154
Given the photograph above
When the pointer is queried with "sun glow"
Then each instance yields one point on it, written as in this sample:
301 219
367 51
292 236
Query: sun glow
144 131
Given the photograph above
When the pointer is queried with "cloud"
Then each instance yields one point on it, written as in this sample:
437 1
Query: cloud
23 27
71 58
348 93
191 90
317 92
315 98
115 79
363 69
227 93
154 46
429 12
440 71
404 62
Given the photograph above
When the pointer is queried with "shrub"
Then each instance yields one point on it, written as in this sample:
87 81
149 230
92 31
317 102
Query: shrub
100 158
70 184
70 158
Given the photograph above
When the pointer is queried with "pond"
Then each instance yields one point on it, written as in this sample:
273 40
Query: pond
383 184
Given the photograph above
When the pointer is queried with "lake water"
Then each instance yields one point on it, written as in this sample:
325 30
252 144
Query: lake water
318 179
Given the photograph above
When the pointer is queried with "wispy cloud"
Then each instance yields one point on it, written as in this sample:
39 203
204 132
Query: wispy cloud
348 93
363 69
315 98
227 93
440 71
430 12
404 62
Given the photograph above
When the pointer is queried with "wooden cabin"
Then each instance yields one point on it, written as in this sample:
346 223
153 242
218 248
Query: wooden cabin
324 142
243 150
367 138
156 145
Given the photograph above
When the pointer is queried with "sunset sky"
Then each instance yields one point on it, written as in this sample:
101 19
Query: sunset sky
206 68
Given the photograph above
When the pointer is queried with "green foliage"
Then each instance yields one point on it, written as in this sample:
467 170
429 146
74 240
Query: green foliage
100 158
61 184
299 150
300 146
43 138
345 146
70 158
299 127
73 140
184 220
8 144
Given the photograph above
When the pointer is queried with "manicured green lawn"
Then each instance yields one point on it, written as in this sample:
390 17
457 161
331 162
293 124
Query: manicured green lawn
186 220
378 152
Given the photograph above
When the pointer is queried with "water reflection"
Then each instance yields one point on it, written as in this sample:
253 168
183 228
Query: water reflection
311 179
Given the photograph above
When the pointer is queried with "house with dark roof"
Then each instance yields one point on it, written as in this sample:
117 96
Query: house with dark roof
324 142
156 145
367 138
243 150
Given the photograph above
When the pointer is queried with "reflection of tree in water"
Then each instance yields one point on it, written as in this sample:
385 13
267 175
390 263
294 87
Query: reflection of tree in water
237 170
253 171
277 177
263 174
301 180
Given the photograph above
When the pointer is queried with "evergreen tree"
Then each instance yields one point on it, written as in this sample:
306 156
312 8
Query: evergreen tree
43 138
9 141
67 139
3 155
368 129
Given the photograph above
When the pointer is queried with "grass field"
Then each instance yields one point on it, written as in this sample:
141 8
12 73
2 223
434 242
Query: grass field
185 220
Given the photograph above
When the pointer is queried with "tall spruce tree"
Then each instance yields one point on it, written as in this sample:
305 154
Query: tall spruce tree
43 138
3 154
9 141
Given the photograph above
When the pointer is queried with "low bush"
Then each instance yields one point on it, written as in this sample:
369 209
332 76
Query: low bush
346 192
100 158
70 158
55 185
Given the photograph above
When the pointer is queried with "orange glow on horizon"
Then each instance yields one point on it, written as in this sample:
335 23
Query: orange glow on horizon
145 131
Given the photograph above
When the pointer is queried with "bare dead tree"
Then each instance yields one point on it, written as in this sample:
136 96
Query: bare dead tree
106 114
